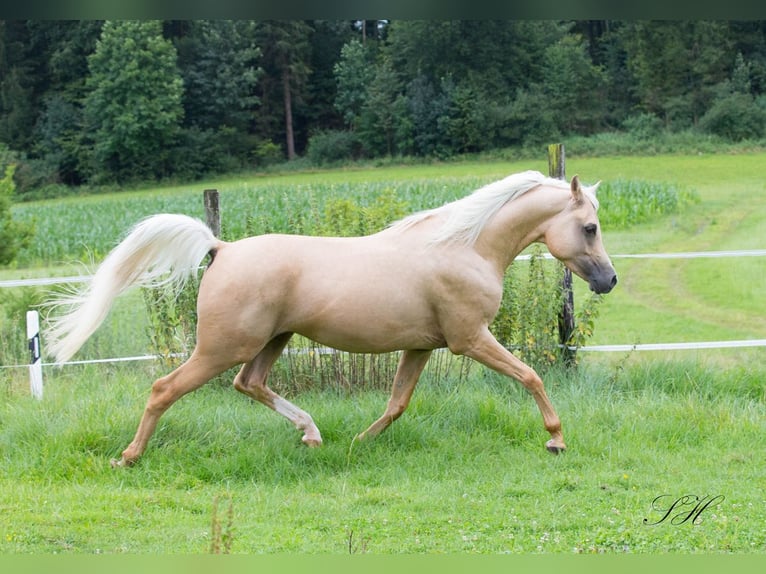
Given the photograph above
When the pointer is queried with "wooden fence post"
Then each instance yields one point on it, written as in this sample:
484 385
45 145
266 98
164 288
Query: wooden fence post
557 169
212 211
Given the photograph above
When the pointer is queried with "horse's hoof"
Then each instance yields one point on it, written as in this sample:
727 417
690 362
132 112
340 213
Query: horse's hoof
554 449
312 442
122 462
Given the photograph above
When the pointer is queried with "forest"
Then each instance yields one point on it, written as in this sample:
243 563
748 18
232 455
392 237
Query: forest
93 103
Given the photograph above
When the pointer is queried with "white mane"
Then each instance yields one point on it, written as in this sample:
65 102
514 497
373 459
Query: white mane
466 217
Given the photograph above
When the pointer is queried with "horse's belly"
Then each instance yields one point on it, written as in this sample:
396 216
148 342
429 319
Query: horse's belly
363 325
371 340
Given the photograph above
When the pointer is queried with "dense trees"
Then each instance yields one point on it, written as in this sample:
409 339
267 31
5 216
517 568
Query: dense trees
85 102
133 104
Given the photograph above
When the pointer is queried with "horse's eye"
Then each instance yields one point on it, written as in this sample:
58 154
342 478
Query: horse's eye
591 229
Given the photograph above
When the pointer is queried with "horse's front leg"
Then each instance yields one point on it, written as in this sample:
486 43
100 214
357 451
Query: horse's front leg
411 365
485 349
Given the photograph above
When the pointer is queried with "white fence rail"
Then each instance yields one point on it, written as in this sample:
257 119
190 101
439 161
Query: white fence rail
33 335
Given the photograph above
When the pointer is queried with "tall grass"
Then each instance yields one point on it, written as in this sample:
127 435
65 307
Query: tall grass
625 203
86 229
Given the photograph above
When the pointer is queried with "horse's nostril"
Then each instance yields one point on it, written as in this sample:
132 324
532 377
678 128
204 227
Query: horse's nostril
614 280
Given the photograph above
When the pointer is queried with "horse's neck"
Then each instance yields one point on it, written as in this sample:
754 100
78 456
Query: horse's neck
518 224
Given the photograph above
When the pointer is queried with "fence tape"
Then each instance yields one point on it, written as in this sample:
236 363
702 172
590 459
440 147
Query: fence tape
672 346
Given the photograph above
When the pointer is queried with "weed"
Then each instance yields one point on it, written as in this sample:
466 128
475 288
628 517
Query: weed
222 534
356 546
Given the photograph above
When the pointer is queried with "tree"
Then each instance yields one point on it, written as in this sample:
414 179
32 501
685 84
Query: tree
382 111
18 78
13 235
735 114
472 71
286 53
59 128
676 66
219 63
426 106
572 86
498 55
353 73
133 105
327 40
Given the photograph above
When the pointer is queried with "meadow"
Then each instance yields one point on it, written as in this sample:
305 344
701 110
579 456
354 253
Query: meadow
464 470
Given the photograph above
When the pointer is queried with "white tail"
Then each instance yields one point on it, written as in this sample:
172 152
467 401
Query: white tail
159 250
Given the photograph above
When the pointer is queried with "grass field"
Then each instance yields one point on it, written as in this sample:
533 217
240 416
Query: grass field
464 470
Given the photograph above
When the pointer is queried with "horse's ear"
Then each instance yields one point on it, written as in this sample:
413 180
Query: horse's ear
576 189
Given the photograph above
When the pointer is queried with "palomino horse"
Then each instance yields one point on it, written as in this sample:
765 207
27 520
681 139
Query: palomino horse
431 280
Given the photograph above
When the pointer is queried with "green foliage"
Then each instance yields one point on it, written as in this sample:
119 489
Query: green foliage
199 152
675 64
353 73
172 321
572 86
18 117
426 106
528 320
735 114
423 88
267 153
333 146
466 123
218 60
626 203
736 117
133 106
14 304
285 49
61 145
643 126
14 235
382 112
566 100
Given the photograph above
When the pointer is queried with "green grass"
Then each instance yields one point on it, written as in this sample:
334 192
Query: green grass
691 299
463 471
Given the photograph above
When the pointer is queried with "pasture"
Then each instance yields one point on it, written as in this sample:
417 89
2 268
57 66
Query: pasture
464 470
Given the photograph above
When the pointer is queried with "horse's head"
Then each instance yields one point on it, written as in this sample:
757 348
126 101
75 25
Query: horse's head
574 238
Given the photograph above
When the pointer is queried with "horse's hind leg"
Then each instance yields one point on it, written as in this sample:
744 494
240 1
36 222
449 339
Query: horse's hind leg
411 365
191 375
251 380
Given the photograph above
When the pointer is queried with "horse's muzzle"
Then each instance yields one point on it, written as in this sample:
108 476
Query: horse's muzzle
602 285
